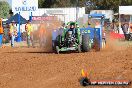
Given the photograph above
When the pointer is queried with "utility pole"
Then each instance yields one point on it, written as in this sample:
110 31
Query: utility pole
77 9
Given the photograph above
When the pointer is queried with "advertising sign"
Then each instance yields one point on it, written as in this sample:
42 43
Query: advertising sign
55 11
42 18
24 5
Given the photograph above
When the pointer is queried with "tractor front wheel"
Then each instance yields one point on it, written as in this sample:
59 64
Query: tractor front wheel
79 49
57 49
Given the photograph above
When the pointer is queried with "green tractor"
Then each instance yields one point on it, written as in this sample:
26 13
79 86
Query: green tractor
69 38
73 38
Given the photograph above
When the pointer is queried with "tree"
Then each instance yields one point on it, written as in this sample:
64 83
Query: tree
10 13
46 3
4 9
40 3
93 5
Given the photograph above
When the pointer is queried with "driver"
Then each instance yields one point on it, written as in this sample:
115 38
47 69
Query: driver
72 28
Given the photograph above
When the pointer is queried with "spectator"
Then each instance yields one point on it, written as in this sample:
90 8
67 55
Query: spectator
12 32
29 33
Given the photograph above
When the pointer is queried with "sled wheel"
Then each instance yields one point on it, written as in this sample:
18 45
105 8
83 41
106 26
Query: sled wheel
96 45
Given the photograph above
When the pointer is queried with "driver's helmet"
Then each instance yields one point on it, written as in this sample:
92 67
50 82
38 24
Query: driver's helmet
72 25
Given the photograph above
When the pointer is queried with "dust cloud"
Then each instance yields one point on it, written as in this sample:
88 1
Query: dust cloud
43 34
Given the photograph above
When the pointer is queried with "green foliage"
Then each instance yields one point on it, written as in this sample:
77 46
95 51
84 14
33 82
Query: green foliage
40 3
4 9
98 4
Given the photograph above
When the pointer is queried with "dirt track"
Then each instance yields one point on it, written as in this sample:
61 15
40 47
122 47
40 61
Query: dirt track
33 68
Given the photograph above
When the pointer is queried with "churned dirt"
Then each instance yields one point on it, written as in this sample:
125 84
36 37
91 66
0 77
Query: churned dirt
23 67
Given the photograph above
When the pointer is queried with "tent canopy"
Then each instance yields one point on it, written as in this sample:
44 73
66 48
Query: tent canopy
16 19
125 10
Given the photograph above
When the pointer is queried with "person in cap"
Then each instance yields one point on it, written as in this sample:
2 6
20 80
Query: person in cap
72 27
12 32
29 33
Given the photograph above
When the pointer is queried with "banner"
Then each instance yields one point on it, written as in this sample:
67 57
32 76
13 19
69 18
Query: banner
24 5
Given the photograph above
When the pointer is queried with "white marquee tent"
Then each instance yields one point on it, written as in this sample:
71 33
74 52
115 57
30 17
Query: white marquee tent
126 10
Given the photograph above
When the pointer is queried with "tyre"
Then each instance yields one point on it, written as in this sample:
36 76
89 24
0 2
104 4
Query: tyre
79 49
96 44
127 37
54 45
130 37
57 49
103 43
85 43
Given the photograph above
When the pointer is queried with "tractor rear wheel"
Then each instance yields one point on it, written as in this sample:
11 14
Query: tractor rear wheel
96 44
85 43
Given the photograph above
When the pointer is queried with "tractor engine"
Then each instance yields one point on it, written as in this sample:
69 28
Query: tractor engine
67 39
70 39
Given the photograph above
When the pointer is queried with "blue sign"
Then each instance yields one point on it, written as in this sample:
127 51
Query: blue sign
33 8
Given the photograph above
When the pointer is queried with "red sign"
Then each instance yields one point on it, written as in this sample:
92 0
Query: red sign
42 18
